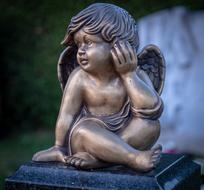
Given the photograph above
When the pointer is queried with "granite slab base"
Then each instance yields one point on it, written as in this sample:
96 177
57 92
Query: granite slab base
175 172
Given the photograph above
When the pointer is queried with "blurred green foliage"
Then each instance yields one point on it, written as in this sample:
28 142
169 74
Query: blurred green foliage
30 36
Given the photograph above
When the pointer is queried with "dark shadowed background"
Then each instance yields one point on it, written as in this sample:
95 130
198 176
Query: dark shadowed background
30 36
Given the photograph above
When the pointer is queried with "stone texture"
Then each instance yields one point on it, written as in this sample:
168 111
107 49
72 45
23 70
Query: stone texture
174 172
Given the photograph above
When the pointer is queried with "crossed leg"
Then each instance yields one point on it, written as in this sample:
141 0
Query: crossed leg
93 145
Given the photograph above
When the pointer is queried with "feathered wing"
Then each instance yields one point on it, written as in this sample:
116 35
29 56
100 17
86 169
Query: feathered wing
151 60
66 64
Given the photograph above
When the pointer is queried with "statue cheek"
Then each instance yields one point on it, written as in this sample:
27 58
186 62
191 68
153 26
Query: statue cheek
94 52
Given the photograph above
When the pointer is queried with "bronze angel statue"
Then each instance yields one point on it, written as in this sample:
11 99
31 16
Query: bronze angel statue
111 105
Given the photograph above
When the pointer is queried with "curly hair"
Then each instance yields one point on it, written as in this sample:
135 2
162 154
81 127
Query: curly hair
112 22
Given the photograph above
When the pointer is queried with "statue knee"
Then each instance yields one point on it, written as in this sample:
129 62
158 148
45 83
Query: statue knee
141 133
80 132
82 135
78 139
83 130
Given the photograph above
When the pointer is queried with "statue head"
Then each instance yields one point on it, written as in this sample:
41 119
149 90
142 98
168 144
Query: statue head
111 22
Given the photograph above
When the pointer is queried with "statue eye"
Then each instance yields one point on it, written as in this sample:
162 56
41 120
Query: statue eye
89 42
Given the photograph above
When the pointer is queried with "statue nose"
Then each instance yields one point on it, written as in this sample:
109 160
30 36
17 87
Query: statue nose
81 51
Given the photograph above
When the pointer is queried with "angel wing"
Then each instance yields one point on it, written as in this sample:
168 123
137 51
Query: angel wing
66 64
151 60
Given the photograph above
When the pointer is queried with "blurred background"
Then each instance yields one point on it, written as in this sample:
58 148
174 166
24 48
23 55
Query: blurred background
30 36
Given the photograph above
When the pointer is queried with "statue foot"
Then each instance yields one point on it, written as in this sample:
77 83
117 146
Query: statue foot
146 160
84 161
52 154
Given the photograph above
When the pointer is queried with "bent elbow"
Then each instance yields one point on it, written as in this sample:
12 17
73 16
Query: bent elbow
156 101
152 111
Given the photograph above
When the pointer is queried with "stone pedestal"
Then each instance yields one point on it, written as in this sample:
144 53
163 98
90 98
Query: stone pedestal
174 172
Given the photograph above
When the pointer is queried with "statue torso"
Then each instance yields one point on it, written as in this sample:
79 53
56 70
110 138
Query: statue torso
104 99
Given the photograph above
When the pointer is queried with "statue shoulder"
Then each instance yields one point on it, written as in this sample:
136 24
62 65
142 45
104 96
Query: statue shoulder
76 78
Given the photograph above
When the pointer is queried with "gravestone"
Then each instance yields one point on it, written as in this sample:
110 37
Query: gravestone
174 172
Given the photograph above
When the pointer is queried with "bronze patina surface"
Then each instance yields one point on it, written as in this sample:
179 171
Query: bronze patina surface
111 104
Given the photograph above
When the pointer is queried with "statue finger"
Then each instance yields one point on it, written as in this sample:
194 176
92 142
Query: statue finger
115 58
131 51
119 53
125 52
129 48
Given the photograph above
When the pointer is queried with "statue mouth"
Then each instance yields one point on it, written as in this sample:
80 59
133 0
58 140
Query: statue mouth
83 62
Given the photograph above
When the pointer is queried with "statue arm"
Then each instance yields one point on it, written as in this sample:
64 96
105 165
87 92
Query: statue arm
142 96
70 107
145 101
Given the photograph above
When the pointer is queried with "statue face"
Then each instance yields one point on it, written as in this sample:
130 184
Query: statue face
93 52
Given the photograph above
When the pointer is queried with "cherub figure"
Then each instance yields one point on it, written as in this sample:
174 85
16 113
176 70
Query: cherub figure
111 104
